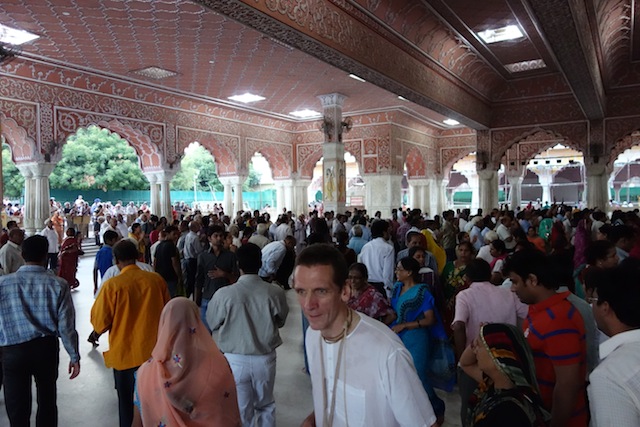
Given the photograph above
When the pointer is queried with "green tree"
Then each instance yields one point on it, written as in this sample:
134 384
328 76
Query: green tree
11 177
199 160
94 158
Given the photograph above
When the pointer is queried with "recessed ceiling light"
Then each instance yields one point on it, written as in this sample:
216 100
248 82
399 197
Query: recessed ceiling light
246 97
305 114
14 36
402 98
66 13
451 122
155 73
212 62
510 32
360 79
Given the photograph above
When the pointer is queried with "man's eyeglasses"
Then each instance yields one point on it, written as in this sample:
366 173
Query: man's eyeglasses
592 300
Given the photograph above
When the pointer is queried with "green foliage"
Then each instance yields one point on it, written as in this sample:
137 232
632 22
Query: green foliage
95 158
199 160
11 177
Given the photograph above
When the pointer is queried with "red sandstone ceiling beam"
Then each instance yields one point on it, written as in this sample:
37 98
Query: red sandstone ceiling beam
325 31
567 28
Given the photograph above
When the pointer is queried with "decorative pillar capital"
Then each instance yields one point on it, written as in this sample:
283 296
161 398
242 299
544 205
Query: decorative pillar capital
332 100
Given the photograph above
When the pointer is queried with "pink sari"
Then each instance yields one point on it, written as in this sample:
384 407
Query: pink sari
187 381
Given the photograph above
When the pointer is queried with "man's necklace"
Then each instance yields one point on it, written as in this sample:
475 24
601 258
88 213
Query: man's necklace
341 337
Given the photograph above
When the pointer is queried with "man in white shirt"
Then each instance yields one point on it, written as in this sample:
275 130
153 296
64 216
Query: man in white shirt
283 229
361 373
192 248
272 256
11 253
614 389
379 257
52 238
504 232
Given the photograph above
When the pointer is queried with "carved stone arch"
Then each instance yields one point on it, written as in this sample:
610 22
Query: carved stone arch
307 156
146 138
23 147
450 156
628 141
354 147
570 134
415 161
224 148
277 155
149 156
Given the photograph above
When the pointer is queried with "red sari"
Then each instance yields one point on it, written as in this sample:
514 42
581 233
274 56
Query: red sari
69 253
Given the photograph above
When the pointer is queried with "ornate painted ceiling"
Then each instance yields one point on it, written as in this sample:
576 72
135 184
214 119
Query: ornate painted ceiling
576 59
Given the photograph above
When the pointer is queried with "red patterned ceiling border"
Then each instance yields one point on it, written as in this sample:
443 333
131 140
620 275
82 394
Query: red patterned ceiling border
324 31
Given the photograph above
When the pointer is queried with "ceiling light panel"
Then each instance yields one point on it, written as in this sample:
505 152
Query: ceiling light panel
15 36
305 114
451 122
495 35
247 98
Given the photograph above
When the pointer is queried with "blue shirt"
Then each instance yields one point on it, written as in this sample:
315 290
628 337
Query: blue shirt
356 243
104 259
35 303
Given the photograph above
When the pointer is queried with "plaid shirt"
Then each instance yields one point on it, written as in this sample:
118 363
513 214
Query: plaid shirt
35 303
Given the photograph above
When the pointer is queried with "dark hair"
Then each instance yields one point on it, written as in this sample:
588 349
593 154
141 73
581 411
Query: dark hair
212 229
534 262
170 229
325 254
499 245
135 226
249 258
478 270
412 266
109 236
598 250
413 250
621 289
468 244
35 248
125 250
378 228
361 268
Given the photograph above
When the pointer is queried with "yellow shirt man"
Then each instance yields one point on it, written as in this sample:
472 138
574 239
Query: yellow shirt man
129 307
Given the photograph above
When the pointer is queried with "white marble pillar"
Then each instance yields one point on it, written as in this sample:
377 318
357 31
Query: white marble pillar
237 182
515 176
546 178
597 185
227 203
37 209
419 189
334 181
474 184
382 193
164 178
301 199
154 192
488 189
425 196
280 202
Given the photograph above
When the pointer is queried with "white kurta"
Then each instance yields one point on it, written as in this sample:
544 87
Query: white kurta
377 384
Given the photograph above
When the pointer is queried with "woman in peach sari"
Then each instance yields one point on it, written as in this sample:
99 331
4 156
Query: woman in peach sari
187 382
58 225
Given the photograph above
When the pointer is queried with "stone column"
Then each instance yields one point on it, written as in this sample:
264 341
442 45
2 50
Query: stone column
597 185
382 193
166 209
546 178
236 183
154 192
227 204
334 170
280 202
425 196
419 190
438 195
515 178
301 198
36 199
488 189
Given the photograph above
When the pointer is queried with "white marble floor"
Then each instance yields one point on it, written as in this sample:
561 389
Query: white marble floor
90 399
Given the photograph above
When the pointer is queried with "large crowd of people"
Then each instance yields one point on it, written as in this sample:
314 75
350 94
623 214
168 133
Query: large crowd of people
531 312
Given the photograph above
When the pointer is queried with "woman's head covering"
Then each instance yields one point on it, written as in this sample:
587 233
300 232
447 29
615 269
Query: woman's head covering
511 354
187 381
